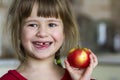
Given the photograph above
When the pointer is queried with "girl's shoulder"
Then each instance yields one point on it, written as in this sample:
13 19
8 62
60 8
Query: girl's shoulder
12 75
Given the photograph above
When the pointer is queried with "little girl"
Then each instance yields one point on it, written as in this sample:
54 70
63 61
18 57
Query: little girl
41 31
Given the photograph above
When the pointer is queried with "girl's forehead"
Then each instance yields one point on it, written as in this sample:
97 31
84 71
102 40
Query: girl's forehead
43 9
34 10
34 14
37 11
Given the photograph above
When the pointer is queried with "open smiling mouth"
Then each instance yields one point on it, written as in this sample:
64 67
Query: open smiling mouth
41 45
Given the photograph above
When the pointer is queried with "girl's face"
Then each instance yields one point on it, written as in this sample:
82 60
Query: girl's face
41 37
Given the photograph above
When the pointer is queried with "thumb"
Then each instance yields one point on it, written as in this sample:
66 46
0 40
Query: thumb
68 67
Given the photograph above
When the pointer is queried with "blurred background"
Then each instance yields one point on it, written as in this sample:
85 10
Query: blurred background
99 26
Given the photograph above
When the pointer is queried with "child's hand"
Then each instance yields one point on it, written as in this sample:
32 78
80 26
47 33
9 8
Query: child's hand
82 74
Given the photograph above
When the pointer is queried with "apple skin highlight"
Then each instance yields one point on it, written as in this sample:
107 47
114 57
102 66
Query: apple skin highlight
79 57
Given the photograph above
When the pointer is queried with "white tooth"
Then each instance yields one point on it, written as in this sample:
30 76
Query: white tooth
41 43
47 43
37 43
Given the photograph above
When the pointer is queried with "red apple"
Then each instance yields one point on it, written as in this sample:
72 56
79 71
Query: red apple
79 57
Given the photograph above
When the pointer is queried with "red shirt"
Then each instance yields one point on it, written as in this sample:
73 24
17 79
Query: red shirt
14 75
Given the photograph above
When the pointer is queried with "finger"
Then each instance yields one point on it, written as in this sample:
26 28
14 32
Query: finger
94 59
67 65
90 67
75 73
93 63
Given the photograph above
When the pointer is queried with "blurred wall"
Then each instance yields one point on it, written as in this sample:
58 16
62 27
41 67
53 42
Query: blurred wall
87 12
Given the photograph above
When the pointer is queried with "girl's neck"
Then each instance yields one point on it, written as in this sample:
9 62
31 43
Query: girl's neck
31 63
34 68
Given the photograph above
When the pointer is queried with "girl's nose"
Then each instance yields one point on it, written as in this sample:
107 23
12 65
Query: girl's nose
42 32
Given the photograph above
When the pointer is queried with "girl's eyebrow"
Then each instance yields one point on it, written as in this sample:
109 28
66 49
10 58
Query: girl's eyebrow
26 21
37 20
54 20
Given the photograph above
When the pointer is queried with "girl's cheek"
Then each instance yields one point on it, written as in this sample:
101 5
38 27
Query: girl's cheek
58 35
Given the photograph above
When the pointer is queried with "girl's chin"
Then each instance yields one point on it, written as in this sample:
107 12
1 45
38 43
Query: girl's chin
41 57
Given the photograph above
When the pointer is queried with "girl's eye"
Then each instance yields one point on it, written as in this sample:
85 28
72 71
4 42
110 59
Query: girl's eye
52 25
33 25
